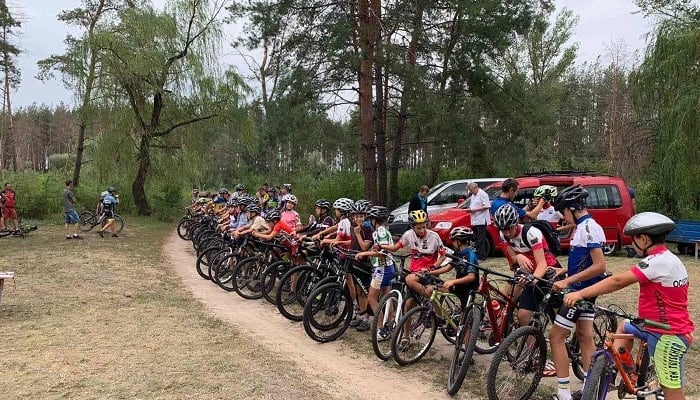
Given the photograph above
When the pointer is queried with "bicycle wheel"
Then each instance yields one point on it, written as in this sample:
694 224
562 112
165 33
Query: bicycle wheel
414 335
203 262
454 308
247 278
384 324
182 229
271 278
118 223
647 380
222 272
5 232
88 220
464 349
596 386
574 351
517 365
293 289
327 313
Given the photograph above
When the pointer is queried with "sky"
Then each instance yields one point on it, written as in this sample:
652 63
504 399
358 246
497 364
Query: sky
601 23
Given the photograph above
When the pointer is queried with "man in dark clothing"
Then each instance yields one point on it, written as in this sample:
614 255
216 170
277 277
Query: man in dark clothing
420 200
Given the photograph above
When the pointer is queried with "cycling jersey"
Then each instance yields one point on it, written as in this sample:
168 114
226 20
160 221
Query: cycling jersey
500 201
366 234
259 224
291 217
425 251
344 231
549 214
587 236
535 240
9 196
287 235
108 203
663 291
460 272
382 236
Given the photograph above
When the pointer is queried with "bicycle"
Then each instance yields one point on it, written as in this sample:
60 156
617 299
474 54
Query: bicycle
607 364
417 328
21 230
89 220
482 327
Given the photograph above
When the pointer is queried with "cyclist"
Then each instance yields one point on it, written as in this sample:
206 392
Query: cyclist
258 223
240 190
289 214
586 267
343 228
466 278
545 194
220 200
109 204
663 297
427 252
360 240
322 221
281 230
530 253
384 270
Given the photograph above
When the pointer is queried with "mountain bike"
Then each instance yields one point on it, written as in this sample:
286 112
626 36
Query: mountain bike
89 220
21 230
607 364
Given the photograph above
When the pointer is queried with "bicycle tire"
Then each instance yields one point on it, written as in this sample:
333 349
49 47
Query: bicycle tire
118 223
182 229
271 278
5 232
454 308
464 349
290 303
222 272
88 220
247 279
595 386
520 361
382 345
647 374
416 325
332 301
203 261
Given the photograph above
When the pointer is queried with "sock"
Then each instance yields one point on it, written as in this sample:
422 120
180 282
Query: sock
585 376
563 392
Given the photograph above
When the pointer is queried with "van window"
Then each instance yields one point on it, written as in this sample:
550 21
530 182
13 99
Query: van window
524 196
450 194
603 196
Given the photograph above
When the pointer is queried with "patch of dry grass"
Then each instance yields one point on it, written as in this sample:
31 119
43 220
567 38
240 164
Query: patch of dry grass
106 318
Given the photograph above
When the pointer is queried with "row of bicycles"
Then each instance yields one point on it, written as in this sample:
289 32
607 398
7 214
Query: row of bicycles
315 293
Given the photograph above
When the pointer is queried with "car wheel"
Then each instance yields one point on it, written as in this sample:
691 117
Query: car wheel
609 249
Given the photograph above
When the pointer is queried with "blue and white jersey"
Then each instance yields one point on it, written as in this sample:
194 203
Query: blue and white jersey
588 236
109 202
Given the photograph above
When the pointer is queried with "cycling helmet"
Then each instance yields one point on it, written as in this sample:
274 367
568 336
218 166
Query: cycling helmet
573 197
462 233
378 212
648 223
239 187
292 199
505 217
253 208
111 189
343 204
323 203
273 215
361 207
223 191
417 217
103 194
287 186
232 202
203 200
547 192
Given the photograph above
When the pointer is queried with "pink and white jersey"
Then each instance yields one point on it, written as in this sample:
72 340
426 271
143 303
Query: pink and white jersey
663 291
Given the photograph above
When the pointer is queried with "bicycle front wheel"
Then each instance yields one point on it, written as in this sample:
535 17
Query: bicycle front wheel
596 386
414 335
384 325
517 365
327 312
464 349
88 220
247 278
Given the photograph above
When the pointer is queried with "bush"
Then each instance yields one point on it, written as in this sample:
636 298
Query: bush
61 162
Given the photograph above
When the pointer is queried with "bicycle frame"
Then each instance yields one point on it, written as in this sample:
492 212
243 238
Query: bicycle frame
484 290
613 358
436 300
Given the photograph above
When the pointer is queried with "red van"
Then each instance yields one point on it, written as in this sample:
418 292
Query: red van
609 203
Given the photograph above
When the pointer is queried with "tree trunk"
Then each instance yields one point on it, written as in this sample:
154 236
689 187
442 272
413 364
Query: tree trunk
138 189
380 115
367 40
403 108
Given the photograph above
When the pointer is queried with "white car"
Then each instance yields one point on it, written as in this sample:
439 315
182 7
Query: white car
440 197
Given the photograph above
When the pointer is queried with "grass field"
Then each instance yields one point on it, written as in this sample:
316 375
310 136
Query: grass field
107 318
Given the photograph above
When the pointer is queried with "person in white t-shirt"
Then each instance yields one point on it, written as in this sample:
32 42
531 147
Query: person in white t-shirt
547 193
479 205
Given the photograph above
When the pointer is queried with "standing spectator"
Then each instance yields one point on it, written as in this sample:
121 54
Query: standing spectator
8 206
2 208
633 195
263 197
195 196
509 189
420 200
69 210
479 208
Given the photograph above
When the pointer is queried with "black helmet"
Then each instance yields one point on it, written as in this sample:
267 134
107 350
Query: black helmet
273 215
378 212
239 187
223 191
573 198
648 223
323 203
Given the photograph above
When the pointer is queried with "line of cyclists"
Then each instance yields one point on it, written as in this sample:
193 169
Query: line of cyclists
362 227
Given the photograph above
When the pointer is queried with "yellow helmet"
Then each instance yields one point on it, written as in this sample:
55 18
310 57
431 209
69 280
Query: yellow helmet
417 217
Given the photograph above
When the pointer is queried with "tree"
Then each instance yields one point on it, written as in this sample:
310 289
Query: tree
165 65
11 79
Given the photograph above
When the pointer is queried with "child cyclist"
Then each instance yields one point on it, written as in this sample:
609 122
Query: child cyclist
586 266
467 277
663 297
427 252
281 230
257 224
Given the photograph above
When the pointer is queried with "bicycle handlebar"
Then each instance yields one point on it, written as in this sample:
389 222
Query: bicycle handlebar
633 318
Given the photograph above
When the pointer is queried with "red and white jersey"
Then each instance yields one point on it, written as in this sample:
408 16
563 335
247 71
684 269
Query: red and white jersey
535 240
344 231
663 291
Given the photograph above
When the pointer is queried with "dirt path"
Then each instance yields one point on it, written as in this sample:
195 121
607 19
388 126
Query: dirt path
346 374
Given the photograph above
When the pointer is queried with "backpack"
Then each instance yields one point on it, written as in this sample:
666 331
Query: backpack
548 232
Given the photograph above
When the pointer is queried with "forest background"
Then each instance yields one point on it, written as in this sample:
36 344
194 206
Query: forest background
435 89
